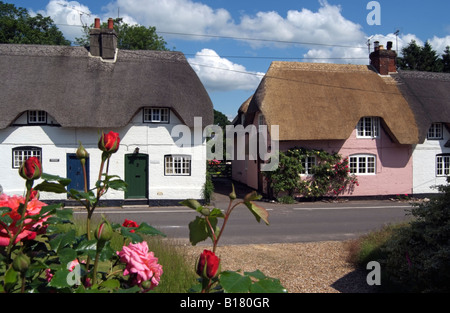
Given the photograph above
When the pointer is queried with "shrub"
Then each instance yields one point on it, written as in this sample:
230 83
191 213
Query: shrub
418 256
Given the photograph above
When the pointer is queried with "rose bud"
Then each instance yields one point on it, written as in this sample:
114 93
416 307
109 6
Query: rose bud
208 264
31 169
104 232
81 152
109 142
21 263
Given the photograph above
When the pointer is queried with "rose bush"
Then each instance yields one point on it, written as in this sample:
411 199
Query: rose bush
205 226
38 255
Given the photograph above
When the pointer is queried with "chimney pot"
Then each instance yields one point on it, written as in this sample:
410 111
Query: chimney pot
389 45
97 23
110 23
376 45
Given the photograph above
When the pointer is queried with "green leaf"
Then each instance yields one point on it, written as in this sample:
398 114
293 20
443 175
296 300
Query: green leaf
63 181
256 274
110 284
216 213
62 240
198 230
193 204
258 211
51 187
267 285
118 184
252 196
126 232
149 230
67 255
11 278
59 279
233 282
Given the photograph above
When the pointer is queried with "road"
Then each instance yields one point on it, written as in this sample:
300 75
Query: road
300 222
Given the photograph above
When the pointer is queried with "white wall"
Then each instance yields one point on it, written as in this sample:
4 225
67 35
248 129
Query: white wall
424 164
152 139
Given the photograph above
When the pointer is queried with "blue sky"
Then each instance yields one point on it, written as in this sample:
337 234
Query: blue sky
230 44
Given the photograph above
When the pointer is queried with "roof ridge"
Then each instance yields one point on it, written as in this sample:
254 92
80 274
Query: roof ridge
320 67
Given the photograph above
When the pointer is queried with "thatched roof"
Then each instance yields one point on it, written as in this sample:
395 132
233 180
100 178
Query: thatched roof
428 95
326 101
79 90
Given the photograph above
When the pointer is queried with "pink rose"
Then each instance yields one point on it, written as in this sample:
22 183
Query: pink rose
30 226
140 263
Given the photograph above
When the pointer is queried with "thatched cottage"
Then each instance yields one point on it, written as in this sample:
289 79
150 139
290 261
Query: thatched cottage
357 111
52 97
428 95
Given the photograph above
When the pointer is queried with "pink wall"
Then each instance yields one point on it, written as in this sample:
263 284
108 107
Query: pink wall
394 163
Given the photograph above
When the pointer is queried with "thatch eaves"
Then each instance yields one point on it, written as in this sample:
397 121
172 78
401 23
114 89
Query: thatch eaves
428 95
79 90
314 101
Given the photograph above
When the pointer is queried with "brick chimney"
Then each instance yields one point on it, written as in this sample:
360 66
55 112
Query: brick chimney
103 41
384 60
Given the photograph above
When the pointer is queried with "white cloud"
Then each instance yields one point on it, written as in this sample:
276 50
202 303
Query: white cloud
439 44
69 16
220 74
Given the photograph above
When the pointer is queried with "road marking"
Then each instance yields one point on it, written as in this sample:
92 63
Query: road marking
353 207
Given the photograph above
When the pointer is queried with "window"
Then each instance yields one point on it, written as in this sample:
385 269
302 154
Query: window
443 165
37 117
435 131
21 154
363 164
308 164
179 165
156 115
368 127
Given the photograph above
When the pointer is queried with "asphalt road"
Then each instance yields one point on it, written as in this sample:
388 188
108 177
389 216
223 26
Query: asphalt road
300 222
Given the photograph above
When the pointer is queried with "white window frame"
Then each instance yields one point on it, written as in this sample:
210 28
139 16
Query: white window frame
308 164
21 154
363 164
436 131
156 115
368 127
442 165
37 117
177 165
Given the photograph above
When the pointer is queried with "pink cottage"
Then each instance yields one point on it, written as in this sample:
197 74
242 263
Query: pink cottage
349 109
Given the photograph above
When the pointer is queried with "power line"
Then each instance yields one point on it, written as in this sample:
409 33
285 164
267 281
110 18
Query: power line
249 39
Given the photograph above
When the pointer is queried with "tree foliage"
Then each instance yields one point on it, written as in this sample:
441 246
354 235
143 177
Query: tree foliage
424 58
17 26
130 37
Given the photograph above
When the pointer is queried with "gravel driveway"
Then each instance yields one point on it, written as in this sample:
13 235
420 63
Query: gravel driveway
316 267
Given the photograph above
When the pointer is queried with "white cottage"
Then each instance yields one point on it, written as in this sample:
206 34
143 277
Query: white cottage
428 95
53 97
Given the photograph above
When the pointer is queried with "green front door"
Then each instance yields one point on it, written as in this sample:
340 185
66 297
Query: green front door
136 176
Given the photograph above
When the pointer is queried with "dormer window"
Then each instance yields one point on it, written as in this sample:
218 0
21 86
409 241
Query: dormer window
435 132
37 117
156 115
368 127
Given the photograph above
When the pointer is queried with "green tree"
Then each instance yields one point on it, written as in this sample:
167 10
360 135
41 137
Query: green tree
418 58
446 60
130 37
220 119
18 27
